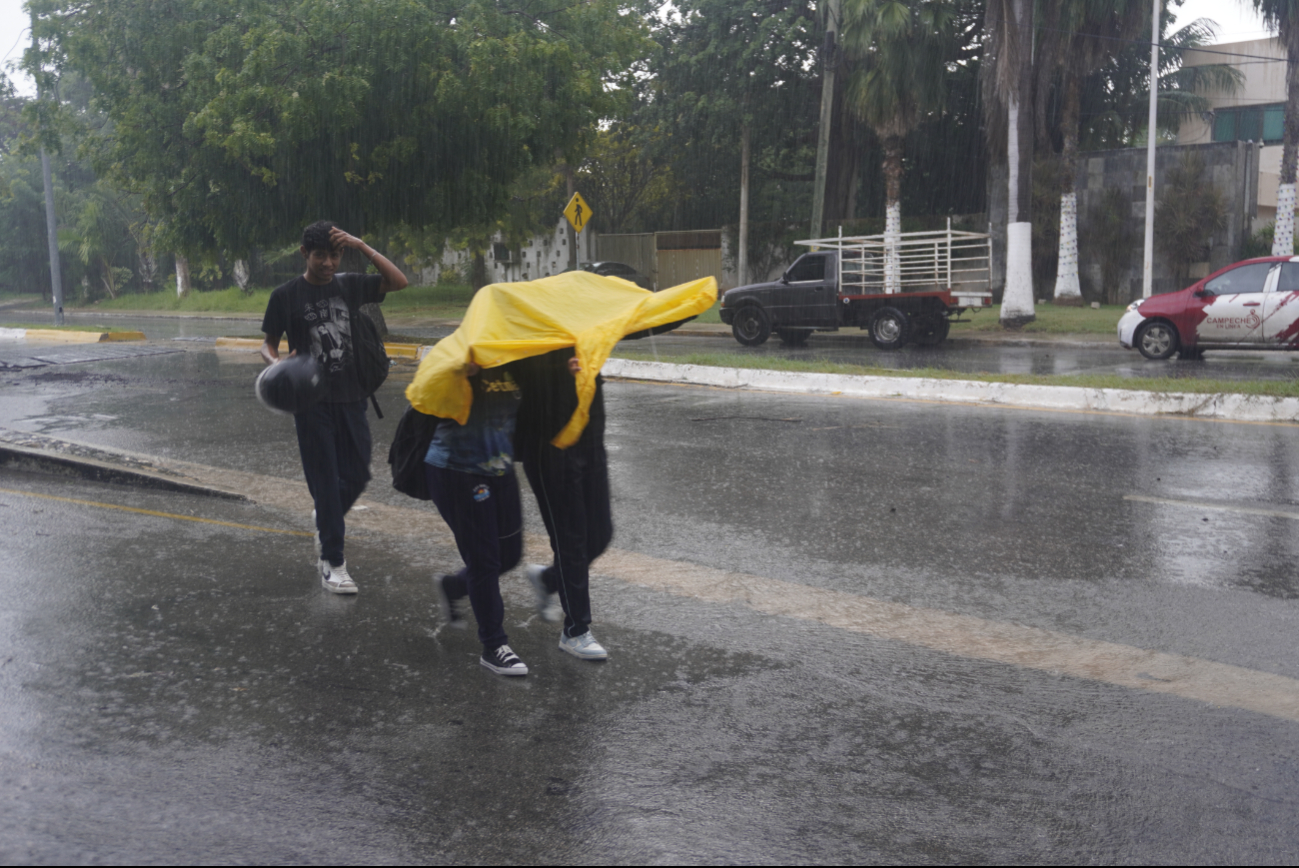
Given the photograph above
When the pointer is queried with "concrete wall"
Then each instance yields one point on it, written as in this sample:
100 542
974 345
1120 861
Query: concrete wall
671 258
1232 167
544 255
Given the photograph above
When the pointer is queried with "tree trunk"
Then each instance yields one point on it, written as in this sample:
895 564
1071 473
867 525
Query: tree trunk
148 270
107 277
1067 289
241 274
478 274
1017 302
893 213
182 276
742 255
841 174
1283 239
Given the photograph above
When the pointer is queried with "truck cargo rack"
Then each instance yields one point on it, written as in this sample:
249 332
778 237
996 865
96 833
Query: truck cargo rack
945 259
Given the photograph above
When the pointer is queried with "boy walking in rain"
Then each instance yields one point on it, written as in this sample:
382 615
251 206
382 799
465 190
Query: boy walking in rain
316 310
470 473
572 490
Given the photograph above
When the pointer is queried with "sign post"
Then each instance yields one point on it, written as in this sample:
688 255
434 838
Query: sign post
578 213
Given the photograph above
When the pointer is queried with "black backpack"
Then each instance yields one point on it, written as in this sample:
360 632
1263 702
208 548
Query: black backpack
406 454
372 362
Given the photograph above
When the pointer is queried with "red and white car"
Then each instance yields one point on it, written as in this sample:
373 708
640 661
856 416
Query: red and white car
1250 305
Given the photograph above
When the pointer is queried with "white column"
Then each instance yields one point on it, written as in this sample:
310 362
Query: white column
1017 302
1283 240
892 252
1066 279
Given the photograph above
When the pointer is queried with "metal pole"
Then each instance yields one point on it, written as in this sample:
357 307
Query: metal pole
51 223
51 228
829 61
1148 264
949 252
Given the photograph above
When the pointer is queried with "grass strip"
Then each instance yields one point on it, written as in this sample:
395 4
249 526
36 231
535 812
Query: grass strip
450 301
231 300
1162 385
445 300
1051 320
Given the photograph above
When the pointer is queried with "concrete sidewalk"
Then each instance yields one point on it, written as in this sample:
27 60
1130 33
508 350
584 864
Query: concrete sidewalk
1221 406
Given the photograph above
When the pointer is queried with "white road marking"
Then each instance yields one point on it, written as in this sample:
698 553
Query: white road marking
1193 504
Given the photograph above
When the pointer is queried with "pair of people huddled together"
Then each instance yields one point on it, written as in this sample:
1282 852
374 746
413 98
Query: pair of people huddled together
517 409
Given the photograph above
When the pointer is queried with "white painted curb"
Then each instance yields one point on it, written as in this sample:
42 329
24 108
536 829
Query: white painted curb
13 334
1223 405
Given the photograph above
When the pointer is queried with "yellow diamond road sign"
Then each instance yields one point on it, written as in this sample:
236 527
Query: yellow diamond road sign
577 211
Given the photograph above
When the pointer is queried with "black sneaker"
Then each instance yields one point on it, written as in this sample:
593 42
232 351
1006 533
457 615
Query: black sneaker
452 610
503 661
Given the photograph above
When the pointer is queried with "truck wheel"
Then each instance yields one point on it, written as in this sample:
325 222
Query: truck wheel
931 330
751 326
794 337
890 329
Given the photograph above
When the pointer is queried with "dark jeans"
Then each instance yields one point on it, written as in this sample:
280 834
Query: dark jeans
572 489
485 515
334 440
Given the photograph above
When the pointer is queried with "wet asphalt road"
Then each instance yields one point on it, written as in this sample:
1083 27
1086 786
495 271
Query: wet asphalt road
180 691
971 354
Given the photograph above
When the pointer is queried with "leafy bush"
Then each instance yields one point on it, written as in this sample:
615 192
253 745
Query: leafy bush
1260 243
1190 213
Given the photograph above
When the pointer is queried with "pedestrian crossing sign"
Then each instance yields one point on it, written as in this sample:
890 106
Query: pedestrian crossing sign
577 212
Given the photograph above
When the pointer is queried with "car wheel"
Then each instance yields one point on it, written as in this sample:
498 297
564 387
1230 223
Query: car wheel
890 328
751 326
794 337
1157 340
931 330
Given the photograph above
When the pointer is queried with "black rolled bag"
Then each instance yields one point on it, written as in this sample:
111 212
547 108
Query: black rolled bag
291 385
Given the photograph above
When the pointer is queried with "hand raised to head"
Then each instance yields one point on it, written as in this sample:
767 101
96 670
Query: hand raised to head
339 238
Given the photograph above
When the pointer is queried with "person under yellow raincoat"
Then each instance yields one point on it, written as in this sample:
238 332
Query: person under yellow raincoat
510 321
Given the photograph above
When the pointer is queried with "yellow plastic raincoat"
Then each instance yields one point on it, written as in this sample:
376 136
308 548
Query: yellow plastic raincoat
510 321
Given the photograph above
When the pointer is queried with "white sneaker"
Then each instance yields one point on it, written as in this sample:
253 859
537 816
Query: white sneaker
547 603
583 647
335 579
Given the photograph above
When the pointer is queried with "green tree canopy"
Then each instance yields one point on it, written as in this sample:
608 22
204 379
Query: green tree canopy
237 121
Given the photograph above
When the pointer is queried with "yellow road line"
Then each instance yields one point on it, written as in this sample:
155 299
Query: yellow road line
1247 510
153 512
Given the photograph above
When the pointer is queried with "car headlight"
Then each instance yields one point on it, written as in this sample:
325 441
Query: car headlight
1136 304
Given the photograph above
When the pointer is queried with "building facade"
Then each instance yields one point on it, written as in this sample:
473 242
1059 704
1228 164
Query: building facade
1254 113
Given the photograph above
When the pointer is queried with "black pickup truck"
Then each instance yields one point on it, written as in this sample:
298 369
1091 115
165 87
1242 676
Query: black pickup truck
819 293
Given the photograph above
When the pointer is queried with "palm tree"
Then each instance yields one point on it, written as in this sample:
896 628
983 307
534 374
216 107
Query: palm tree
1009 24
1283 17
899 53
1086 33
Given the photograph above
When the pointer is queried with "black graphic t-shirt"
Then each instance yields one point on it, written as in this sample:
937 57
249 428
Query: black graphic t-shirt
318 320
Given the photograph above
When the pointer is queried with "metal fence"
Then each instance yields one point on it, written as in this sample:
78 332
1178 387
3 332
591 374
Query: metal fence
911 261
